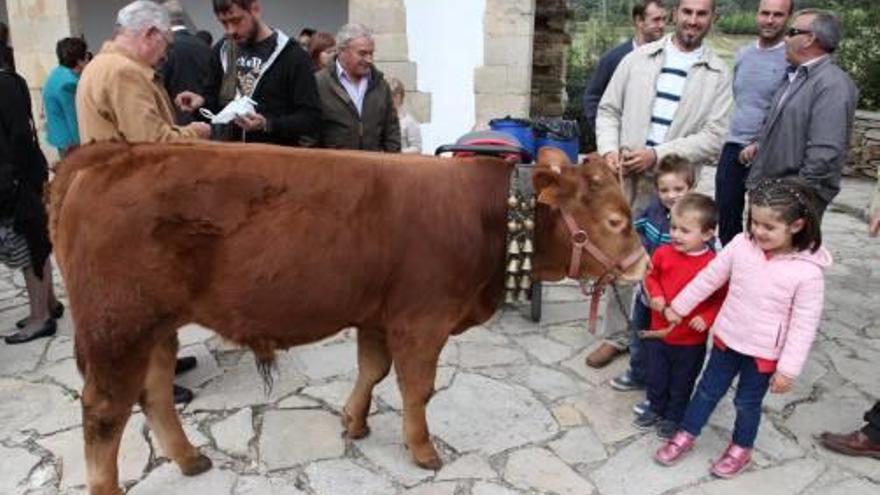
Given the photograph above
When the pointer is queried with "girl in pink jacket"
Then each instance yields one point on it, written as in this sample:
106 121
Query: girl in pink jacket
767 323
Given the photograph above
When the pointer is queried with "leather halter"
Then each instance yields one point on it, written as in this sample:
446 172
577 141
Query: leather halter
580 242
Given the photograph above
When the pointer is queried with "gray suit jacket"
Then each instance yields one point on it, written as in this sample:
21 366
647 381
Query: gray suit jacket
808 134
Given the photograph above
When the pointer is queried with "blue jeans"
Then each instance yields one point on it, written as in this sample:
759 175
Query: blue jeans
719 373
730 192
640 320
672 371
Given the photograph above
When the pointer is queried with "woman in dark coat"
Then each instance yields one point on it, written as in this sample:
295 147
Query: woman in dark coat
24 236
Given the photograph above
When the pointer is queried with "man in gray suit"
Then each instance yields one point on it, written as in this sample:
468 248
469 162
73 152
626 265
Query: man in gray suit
807 131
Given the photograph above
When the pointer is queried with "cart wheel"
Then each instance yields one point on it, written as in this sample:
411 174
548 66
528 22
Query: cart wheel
536 302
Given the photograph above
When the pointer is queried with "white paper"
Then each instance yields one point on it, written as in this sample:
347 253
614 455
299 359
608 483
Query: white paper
238 107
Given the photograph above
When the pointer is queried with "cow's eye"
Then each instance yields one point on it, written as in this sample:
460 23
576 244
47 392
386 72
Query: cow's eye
615 222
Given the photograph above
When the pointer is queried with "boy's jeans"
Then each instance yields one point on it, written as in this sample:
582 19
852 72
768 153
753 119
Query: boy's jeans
723 366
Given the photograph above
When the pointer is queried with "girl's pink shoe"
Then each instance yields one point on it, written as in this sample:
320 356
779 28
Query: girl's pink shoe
674 448
734 460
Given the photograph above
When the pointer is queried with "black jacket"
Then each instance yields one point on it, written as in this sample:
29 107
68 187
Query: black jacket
377 129
599 81
20 149
188 68
286 94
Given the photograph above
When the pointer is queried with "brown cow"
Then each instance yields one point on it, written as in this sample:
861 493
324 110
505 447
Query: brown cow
274 247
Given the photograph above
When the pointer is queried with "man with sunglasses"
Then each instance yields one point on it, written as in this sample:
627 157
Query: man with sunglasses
758 72
808 129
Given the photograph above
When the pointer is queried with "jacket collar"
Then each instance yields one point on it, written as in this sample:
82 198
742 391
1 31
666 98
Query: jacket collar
373 78
708 58
112 48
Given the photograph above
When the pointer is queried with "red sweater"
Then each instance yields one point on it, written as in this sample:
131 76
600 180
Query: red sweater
670 272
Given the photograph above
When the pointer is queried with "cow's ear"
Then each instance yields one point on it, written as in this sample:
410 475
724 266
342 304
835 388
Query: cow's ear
552 158
553 188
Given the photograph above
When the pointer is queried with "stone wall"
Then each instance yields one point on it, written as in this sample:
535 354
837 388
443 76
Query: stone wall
387 19
865 144
502 86
551 45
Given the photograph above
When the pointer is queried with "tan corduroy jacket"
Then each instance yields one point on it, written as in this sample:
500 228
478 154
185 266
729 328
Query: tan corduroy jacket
120 98
699 127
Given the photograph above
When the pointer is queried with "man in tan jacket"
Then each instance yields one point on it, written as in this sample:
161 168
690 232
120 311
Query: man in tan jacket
120 96
672 96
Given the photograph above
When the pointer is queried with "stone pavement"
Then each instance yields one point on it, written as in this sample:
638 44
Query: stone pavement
516 410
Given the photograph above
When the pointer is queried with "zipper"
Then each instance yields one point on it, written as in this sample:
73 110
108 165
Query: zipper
778 335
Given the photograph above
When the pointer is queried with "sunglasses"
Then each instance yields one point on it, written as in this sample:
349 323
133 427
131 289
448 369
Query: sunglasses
793 31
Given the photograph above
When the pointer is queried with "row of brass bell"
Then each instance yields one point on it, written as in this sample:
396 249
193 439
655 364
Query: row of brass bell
513 296
514 202
524 282
514 266
514 247
514 226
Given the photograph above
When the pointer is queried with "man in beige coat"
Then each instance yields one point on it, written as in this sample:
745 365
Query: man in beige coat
120 96
672 96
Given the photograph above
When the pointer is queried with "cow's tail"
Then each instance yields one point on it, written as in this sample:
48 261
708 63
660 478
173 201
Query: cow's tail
264 354
89 156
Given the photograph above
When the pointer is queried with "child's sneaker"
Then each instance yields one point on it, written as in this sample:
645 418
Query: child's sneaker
675 448
646 420
666 428
641 407
625 382
734 460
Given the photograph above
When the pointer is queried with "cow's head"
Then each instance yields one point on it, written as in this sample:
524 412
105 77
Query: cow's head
591 195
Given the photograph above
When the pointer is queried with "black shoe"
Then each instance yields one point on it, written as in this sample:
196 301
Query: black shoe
47 330
666 429
55 313
184 364
182 395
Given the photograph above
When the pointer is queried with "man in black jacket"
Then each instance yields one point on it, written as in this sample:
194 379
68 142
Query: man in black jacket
187 67
265 64
649 17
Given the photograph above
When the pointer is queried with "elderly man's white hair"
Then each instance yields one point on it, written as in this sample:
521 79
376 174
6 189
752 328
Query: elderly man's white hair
352 31
141 15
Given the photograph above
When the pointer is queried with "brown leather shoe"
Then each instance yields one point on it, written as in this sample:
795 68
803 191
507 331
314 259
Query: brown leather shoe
854 444
603 355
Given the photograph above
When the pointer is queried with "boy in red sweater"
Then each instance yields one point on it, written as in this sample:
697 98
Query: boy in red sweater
675 354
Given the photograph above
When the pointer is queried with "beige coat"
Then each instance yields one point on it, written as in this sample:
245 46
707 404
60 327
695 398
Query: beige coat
120 98
699 127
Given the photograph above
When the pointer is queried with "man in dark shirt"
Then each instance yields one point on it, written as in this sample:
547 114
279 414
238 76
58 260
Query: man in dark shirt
266 65
649 17
187 67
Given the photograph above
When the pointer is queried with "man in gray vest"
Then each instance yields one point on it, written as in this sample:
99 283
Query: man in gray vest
808 129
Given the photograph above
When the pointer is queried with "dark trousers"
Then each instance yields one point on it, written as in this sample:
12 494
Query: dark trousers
730 192
672 371
640 320
872 429
750 391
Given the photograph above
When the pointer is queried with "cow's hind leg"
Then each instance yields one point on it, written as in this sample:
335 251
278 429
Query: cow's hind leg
415 361
157 400
107 400
374 362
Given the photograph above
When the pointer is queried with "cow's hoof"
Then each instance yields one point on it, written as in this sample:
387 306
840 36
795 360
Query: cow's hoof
351 430
433 463
357 433
197 466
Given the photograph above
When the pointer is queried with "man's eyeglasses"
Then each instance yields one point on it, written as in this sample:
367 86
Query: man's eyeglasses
793 31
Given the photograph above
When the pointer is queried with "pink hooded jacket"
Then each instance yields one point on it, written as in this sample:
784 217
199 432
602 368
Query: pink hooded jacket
773 306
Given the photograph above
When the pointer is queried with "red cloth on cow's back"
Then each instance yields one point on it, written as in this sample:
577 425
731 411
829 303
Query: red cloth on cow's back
671 271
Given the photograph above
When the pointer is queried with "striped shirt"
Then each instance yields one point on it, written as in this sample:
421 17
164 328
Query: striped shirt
670 88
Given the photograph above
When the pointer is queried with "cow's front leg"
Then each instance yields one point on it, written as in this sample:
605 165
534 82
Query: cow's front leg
374 362
416 367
